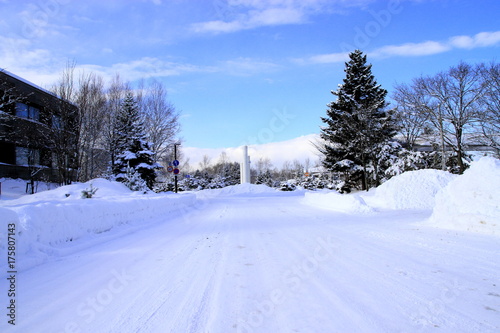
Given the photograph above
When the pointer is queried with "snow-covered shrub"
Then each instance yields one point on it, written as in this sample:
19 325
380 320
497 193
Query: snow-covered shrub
288 185
408 160
133 180
217 182
89 192
266 178
343 187
189 184
163 187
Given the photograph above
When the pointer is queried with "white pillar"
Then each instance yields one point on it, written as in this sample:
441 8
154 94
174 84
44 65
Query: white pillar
245 167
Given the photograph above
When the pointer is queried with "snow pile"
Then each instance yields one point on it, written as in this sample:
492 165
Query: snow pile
471 201
106 189
239 190
344 203
411 190
16 188
52 218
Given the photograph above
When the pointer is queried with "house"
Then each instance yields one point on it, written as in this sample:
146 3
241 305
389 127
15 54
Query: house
38 132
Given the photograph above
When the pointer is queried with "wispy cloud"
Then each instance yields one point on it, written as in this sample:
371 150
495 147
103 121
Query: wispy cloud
251 14
149 67
41 66
252 19
482 39
411 49
247 66
146 67
19 56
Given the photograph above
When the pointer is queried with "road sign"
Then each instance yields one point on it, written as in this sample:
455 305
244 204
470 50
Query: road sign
170 169
176 171
175 163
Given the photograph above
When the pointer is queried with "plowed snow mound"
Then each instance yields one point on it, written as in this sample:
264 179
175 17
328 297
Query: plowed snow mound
472 200
344 203
412 189
239 190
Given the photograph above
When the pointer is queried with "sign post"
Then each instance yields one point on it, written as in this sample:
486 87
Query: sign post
175 164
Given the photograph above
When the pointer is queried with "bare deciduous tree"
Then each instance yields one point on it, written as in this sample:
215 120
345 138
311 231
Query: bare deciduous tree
161 120
91 100
490 120
412 119
64 133
451 101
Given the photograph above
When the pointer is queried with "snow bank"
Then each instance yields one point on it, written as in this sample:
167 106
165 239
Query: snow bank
345 203
472 200
106 189
52 218
239 190
16 188
411 190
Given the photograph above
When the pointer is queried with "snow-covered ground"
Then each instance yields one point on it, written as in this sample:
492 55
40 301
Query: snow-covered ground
248 258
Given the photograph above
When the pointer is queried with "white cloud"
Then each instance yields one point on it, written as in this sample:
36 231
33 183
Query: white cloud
330 58
146 67
149 67
411 49
247 66
38 65
217 27
251 20
482 39
250 14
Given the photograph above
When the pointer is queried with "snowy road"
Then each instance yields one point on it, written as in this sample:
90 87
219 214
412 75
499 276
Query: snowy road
268 263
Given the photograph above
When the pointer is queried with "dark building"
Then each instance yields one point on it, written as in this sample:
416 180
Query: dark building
38 132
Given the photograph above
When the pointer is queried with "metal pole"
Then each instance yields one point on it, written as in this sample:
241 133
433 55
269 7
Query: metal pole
175 158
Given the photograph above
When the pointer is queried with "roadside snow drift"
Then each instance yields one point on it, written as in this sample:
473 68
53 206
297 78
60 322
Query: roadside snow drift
412 189
472 200
351 204
59 216
239 190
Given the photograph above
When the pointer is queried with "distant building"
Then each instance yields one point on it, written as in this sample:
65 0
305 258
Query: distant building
38 132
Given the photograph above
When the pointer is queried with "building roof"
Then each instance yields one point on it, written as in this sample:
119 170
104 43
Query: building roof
35 86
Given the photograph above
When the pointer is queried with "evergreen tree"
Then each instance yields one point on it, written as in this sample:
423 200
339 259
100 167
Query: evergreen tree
357 124
133 149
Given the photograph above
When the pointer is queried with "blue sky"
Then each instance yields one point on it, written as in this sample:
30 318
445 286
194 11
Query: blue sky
245 71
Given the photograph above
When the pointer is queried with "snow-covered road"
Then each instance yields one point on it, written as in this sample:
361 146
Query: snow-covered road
267 263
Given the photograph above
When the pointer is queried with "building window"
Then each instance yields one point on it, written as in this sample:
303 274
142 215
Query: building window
28 112
57 122
21 110
26 156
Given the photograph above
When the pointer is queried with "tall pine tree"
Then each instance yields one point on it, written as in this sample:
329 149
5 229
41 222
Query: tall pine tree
357 125
134 153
